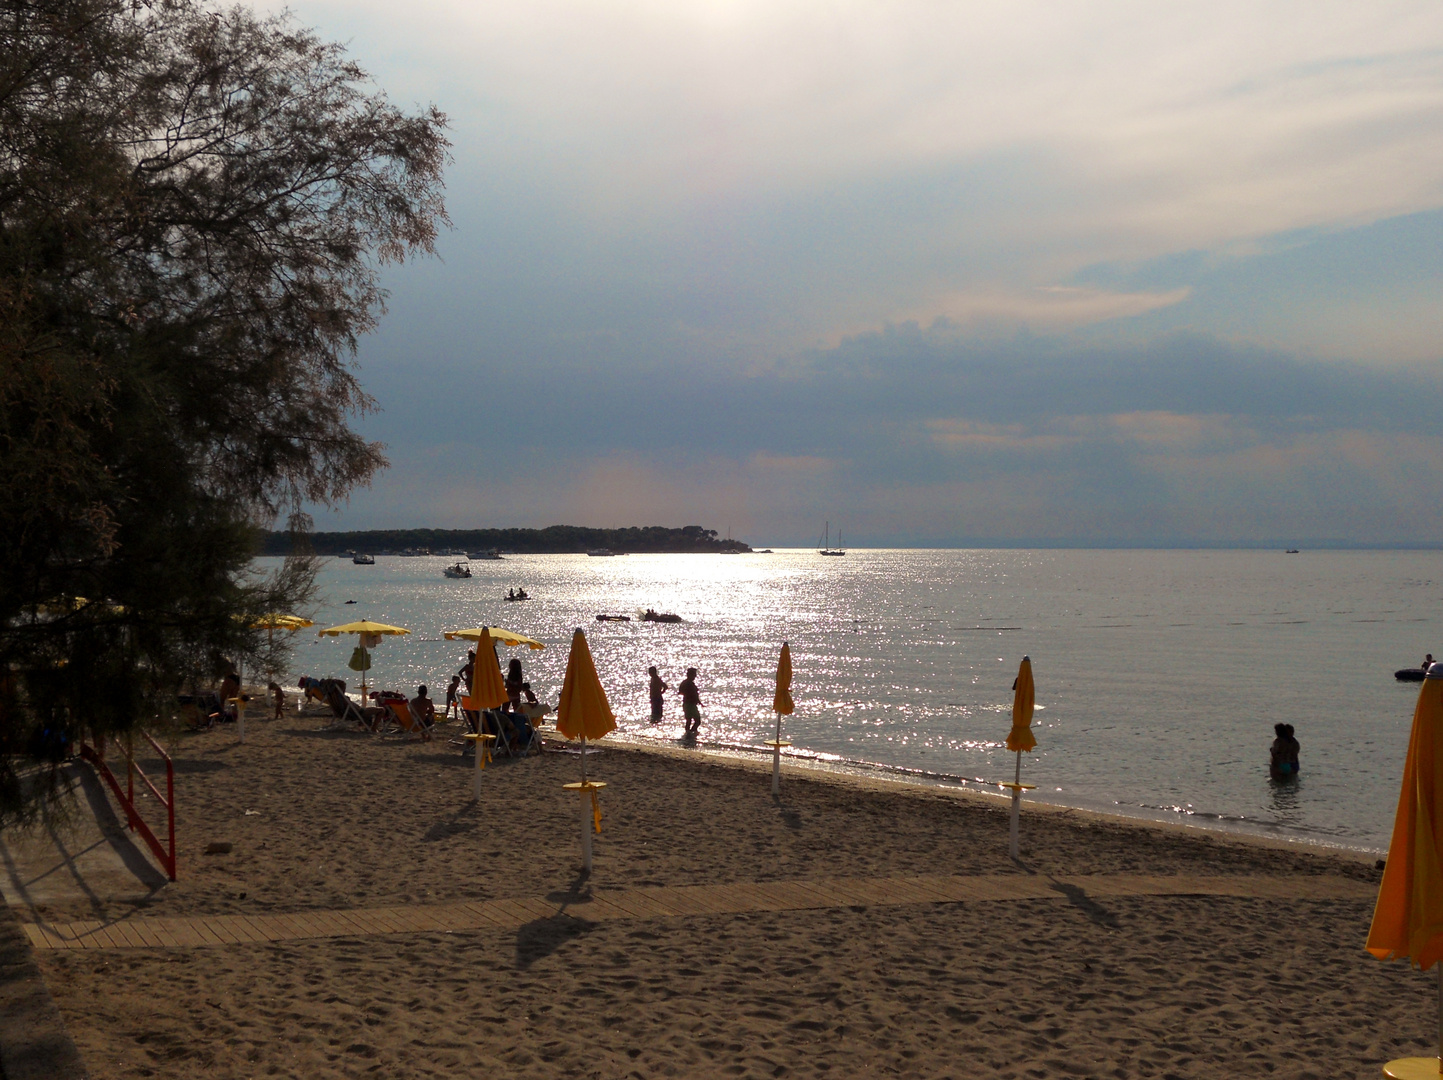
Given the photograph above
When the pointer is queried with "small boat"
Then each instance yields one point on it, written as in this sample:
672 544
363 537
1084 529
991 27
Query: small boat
659 616
362 559
613 618
1291 551
1409 674
458 570
601 553
489 555
519 594
827 548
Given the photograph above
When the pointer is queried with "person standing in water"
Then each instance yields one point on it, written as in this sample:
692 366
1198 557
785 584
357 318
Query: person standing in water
656 689
691 702
1283 754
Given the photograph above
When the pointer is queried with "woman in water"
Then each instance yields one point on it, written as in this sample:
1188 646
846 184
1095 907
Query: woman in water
1283 754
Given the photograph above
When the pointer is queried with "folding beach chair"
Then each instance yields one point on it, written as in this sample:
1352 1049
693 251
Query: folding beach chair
403 720
346 711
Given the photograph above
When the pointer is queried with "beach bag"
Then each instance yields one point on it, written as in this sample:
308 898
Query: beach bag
360 660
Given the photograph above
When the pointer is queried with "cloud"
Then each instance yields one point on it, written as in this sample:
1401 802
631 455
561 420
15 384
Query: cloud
913 435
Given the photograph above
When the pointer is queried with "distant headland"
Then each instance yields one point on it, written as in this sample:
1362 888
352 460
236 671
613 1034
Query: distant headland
552 540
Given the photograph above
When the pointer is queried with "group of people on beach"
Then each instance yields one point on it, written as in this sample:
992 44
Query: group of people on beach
690 698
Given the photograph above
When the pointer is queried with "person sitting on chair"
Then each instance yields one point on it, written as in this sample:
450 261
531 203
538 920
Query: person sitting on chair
423 711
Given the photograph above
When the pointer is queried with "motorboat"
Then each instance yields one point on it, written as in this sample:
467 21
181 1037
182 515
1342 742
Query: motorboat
659 616
519 594
613 618
457 570
1409 674
490 555
601 553
360 558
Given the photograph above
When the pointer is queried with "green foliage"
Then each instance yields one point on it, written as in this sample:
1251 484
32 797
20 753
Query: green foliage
555 539
194 206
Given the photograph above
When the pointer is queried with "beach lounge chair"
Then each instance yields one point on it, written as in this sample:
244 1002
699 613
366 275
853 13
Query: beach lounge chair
402 720
346 711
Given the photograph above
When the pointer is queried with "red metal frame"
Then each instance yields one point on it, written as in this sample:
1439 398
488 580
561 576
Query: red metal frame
96 757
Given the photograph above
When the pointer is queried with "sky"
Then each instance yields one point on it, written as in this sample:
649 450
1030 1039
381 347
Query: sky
940 273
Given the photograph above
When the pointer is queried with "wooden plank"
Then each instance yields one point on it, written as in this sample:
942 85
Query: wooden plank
511 910
612 907
659 897
481 916
142 929
184 933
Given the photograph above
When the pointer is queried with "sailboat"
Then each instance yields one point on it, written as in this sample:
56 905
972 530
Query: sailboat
827 548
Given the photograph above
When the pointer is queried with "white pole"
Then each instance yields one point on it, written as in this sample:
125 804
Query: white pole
479 745
777 759
585 829
1016 802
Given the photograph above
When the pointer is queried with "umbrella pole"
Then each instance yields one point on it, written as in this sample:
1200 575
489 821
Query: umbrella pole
777 759
585 817
240 703
1016 802
1440 1018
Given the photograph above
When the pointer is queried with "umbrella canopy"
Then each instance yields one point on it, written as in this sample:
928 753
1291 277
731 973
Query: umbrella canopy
488 689
365 626
782 699
584 712
506 637
273 620
1020 738
1408 918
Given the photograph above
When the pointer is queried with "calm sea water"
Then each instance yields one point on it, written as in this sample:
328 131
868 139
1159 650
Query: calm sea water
1159 673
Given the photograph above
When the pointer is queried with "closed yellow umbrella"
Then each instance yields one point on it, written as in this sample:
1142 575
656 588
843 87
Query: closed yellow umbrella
584 713
488 688
782 706
1408 917
1020 739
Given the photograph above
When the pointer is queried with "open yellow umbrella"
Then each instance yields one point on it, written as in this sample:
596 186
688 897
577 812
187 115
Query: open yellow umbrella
584 713
506 637
370 634
1408 917
273 620
781 705
1020 739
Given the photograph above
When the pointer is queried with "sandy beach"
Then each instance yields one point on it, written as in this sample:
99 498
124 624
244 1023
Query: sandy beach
1070 981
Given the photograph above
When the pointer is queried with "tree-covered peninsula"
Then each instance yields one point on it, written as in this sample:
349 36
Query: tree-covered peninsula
552 540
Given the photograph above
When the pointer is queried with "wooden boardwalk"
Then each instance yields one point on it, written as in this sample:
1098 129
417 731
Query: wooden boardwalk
602 905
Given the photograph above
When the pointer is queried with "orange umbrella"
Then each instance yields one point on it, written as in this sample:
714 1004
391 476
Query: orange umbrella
488 688
1408 917
782 699
584 713
1020 739
781 705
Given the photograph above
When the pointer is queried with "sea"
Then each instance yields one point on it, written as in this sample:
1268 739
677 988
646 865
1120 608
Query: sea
1159 673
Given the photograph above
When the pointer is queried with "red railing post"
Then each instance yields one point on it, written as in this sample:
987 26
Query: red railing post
96 756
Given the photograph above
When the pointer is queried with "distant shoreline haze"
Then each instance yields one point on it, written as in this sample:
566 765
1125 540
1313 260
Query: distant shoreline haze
553 540
655 539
